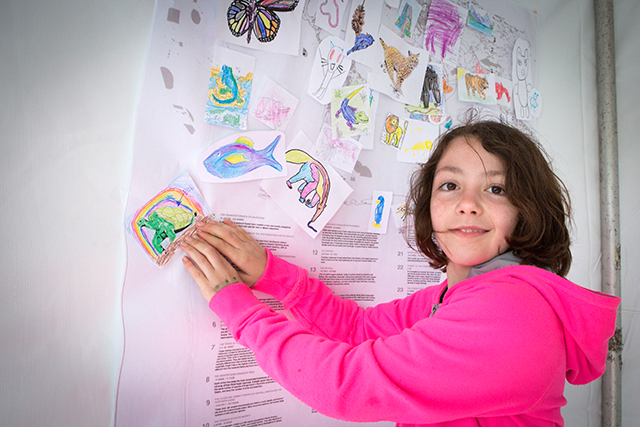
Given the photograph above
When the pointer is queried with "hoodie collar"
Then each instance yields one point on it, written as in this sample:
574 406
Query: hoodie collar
506 259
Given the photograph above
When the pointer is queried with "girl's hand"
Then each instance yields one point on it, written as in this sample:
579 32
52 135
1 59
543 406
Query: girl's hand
209 269
238 246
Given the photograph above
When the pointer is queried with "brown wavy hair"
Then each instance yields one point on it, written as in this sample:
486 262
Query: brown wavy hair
541 236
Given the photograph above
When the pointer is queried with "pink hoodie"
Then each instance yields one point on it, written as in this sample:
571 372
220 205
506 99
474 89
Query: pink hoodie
496 351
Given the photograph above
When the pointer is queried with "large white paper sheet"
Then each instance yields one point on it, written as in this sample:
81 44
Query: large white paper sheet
180 366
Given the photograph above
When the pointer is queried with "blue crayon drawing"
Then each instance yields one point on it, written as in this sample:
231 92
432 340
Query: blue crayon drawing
377 217
238 158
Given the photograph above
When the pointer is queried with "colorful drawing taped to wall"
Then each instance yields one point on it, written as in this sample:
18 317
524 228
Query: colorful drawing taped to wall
399 69
398 66
381 207
394 130
341 153
275 106
240 157
243 16
329 69
504 88
480 88
480 20
362 40
311 192
522 79
418 142
442 33
161 224
314 182
432 96
350 110
362 32
407 19
230 84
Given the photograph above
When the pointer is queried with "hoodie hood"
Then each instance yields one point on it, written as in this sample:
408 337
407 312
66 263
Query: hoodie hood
588 318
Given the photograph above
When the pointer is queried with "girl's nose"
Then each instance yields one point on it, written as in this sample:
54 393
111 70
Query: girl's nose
469 204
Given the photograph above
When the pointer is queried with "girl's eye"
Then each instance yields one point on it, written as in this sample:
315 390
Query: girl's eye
448 186
497 190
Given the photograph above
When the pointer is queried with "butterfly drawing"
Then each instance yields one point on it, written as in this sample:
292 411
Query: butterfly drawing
259 14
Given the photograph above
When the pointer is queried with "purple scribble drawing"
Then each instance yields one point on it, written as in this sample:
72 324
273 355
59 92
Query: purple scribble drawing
272 111
443 28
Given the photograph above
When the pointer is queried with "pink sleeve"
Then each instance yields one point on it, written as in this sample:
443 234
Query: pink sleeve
310 301
490 351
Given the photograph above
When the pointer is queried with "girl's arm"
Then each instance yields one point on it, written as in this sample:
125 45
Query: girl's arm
483 354
312 303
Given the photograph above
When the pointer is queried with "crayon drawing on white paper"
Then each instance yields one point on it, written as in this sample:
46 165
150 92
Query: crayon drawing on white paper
312 191
380 209
330 67
243 157
275 106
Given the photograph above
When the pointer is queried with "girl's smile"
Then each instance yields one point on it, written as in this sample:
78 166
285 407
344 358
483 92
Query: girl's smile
471 214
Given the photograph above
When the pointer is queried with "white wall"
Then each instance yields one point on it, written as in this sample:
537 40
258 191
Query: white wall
70 72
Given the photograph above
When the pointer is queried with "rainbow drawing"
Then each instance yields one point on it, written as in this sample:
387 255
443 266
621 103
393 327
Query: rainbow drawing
166 216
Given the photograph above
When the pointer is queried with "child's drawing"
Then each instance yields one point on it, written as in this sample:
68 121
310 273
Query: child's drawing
159 225
269 25
313 180
504 88
362 32
418 142
259 16
229 88
329 69
367 139
400 70
444 26
330 15
350 111
394 131
341 153
432 96
399 213
480 88
535 103
381 206
243 157
312 192
275 106
522 80
362 40
408 17
480 20
398 66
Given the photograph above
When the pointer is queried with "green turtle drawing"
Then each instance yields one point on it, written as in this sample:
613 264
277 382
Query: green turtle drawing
166 221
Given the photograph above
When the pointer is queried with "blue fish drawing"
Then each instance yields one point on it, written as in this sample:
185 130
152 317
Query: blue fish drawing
239 158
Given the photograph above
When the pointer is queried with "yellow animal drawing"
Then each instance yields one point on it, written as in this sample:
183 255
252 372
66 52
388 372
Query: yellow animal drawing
420 146
394 132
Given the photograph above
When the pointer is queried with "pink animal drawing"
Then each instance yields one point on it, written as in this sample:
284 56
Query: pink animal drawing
272 111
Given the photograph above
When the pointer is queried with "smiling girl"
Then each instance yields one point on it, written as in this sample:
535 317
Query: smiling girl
491 345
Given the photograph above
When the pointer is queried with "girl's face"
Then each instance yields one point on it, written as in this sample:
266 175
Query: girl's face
470 212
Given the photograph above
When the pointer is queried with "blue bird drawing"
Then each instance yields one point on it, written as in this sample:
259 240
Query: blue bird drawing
238 158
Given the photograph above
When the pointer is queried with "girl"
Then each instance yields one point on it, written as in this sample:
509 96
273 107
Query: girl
491 345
